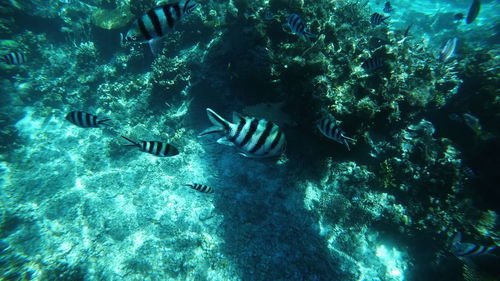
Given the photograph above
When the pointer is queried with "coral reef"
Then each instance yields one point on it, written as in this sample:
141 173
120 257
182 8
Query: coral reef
79 205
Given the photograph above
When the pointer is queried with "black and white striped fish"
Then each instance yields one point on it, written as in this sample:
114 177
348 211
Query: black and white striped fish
157 148
377 19
372 64
255 138
85 120
157 23
14 58
388 7
201 187
464 250
329 129
298 27
448 50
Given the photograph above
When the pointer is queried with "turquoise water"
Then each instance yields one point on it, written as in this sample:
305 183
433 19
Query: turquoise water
78 204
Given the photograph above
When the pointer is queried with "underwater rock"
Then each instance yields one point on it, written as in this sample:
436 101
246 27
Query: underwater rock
112 19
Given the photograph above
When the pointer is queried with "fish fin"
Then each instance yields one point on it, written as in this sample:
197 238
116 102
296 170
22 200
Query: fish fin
245 155
346 144
133 142
211 130
155 45
236 117
310 36
225 141
216 119
102 122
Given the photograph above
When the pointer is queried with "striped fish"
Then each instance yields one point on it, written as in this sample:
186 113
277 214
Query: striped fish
157 23
298 27
157 148
448 50
464 250
14 58
372 64
377 19
255 138
201 188
329 129
388 7
85 120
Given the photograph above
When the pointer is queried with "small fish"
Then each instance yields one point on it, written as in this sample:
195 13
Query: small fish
464 250
85 120
455 117
201 188
388 7
268 15
254 138
14 58
157 22
473 11
448 50
298 27
469 172
157 148
329 129
473 123
377 19
372 64
407 31
376 42
458 16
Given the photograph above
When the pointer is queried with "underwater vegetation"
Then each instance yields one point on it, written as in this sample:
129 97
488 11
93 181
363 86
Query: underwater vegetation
369 131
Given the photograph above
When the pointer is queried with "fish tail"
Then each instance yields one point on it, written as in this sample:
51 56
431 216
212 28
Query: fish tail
220 124
133 142
102 122
310 36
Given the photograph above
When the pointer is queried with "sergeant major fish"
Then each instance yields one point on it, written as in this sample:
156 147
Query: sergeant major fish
329 129
377 19
372 64
157 22
255 138
14 58
298 27
157 148
85 120
388 7
464 250
201 188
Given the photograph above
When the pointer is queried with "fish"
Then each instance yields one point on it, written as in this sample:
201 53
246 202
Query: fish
269 15
201 187
388 7
85 120
156 148
157 22
298 27
254 138
376 42
464 250
377 19
372 64
473 11
472 122
407 31
14 58
448 50
458 16
328 127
